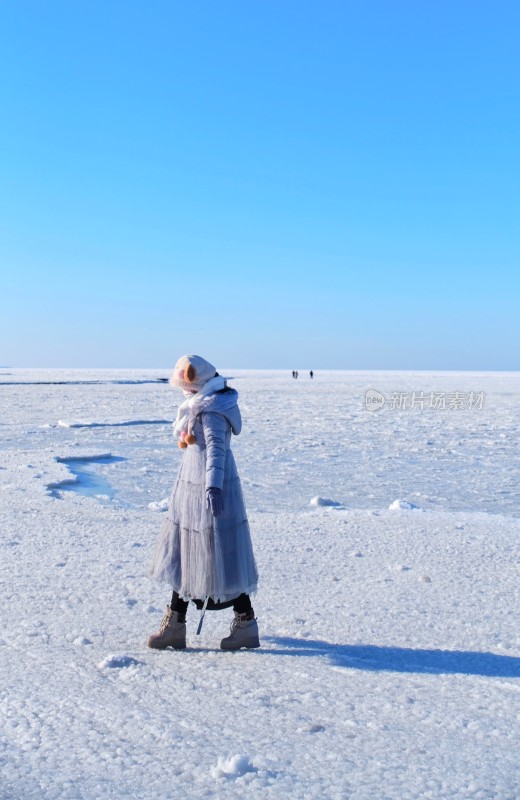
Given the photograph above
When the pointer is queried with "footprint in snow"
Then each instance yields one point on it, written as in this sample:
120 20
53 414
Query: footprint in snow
312 728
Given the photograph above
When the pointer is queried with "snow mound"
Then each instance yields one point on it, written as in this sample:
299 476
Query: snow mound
324 501
110 423
118 662
233 767
161 505
81 641
85 455
403 505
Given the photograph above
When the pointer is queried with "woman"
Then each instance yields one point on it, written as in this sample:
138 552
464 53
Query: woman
204 548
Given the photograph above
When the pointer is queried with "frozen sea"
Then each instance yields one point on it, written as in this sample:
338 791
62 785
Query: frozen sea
388 548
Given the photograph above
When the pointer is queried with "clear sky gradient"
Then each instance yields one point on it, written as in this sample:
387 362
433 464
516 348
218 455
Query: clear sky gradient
268 183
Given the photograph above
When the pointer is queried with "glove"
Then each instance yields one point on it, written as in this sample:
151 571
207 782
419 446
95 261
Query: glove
214 500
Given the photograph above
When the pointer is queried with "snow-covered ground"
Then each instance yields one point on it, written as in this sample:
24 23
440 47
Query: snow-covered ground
390 658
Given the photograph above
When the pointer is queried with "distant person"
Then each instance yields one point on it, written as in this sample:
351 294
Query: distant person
311 373
204 547
296 373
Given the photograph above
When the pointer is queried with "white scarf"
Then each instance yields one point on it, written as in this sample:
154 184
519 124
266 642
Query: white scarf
188 410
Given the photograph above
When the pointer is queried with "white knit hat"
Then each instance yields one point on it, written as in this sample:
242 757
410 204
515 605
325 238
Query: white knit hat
191 372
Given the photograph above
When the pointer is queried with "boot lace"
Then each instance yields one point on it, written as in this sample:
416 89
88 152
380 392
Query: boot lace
234 625
165 621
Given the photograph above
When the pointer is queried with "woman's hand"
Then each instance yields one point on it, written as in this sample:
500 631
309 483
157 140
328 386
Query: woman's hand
214 500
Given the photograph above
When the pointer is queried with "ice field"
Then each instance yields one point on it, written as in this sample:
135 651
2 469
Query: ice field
390 658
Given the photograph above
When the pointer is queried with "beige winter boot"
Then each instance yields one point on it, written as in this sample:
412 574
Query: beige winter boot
172 632
244 633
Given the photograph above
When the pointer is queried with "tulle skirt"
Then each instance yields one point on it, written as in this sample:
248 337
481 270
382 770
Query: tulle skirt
198 555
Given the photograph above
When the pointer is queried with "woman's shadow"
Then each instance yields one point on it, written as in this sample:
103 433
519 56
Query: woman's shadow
398 659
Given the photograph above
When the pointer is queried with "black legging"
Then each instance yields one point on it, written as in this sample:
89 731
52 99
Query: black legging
241 604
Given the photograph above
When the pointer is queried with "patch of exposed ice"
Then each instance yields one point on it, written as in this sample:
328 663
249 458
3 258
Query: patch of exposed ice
85 479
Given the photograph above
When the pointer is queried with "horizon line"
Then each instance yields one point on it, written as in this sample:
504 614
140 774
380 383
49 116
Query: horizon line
280 369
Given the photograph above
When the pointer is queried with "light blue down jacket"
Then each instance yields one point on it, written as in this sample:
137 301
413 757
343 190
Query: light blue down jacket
199 555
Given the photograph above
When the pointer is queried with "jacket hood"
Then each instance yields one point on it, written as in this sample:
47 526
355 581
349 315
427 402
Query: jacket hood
225 403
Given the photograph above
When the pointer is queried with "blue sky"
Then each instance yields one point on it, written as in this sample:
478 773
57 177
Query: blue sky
266 183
